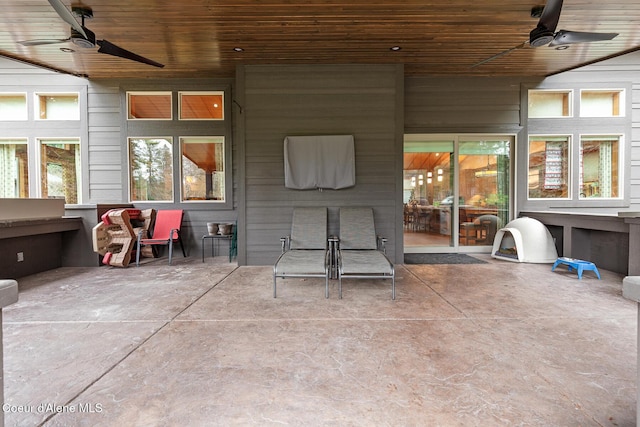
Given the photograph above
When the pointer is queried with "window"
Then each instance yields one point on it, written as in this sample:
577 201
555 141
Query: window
149 105
549 103
548 167
201 105
203 168
599 166
151 169
13 106
602 103
14 168
60 175
60 106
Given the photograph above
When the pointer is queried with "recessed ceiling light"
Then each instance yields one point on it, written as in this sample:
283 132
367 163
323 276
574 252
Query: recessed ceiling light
563 47
238 49
395 48
67 49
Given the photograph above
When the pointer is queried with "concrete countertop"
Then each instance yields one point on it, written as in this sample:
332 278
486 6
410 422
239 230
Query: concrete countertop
631 288
8 292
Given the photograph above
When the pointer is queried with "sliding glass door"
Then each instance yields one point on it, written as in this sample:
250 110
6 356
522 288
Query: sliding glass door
457 191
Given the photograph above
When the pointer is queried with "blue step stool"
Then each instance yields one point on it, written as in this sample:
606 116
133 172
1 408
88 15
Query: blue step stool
576 264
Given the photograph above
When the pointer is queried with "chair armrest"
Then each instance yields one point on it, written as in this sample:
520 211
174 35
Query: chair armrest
177 233
334 242
382 244
285 242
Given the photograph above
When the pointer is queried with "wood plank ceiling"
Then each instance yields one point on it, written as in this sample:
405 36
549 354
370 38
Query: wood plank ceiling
197 38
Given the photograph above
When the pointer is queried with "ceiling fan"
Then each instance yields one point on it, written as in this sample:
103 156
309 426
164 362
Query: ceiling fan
544 33
82 37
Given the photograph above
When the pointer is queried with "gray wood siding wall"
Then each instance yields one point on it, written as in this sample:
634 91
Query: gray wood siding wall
277 101
461 105
105 143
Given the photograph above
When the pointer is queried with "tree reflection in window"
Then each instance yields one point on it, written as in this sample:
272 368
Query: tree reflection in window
60 170
151 169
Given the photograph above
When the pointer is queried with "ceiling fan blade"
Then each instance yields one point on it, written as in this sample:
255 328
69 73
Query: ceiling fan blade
39 42
498 55
67 16
564 37
111 49
551 15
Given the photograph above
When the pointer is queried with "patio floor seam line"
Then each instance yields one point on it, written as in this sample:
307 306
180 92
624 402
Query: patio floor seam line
71 322
436 292
389 319
134 349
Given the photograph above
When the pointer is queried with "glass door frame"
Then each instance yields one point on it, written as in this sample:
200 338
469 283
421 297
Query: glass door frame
455 246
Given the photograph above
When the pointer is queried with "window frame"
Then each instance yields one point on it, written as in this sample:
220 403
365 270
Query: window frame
22 141
621 102
130 181
570 103
621 144
182 175
37 103
25 109
569 141
195 93
128 94
576 126
39 142
177 129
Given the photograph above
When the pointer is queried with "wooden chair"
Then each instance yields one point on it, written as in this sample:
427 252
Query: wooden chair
166 231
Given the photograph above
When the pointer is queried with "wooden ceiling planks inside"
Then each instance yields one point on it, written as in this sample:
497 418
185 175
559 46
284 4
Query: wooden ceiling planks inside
196 38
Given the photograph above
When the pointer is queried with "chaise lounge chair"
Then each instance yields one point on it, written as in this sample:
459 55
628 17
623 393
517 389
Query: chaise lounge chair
362 252
304 251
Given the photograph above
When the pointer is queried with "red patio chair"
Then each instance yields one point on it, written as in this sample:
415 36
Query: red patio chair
166 230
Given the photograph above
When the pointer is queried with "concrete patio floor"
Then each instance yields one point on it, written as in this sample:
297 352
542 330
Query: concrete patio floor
206 344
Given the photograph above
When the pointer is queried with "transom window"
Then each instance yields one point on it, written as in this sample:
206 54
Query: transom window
58 106
201 105
602 103
13 106
149 106
550 103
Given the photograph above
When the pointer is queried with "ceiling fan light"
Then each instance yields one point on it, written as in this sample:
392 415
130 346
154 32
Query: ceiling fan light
80 41
540 36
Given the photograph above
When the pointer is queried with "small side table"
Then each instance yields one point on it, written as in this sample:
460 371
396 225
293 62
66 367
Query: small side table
216 238
334 247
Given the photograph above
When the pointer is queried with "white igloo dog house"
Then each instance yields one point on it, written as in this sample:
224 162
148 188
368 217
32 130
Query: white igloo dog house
524 240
